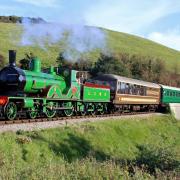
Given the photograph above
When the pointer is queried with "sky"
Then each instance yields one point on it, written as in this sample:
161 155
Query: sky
157 20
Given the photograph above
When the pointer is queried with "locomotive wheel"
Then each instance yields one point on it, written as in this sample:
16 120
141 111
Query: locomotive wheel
101 109
10 111
91 109
68 112
101 112
92 113
83 113
33 113
50 112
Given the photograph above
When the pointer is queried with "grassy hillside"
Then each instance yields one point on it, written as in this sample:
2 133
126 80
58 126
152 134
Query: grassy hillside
122 42
117 42
114 149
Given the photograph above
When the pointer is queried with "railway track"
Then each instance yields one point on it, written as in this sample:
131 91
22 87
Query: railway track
44 123
25 121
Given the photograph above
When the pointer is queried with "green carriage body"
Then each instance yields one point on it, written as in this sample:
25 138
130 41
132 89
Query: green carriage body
170 94
96 93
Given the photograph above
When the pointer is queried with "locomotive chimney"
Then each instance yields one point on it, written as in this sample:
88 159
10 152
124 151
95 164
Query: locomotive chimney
12 57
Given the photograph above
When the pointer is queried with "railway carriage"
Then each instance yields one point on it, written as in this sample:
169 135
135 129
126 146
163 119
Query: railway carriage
170 95
131 94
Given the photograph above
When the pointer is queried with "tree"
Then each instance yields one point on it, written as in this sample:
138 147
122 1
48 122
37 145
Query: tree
2 61
62 62
24 63
82 65
158 71
110 65
136 67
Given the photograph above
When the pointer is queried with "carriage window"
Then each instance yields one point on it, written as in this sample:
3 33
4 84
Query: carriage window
164 92
138 90
131 89
141 90
127 89
145 91
119 87
178 94
123 87
167 94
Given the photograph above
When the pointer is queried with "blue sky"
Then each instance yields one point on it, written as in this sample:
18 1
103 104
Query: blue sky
158 20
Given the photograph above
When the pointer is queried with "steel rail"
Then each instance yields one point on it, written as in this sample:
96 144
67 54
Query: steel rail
44 119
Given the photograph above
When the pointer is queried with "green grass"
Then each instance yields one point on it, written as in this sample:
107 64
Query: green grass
114 149
117 42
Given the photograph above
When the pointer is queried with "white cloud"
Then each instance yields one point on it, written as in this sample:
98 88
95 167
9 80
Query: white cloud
41 3
129 16
170 38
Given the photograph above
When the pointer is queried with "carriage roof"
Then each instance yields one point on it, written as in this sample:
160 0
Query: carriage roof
112 77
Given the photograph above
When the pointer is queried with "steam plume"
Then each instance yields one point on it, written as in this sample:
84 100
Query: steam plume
78 39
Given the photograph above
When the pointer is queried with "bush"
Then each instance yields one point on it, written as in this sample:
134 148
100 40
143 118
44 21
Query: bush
156 158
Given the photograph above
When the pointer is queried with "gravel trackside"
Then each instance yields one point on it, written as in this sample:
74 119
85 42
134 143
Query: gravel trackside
52 124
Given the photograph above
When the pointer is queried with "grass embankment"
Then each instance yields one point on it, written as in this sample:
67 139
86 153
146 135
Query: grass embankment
110 149
117 42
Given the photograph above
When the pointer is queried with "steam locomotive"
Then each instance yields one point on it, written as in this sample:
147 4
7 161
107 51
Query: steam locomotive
60 91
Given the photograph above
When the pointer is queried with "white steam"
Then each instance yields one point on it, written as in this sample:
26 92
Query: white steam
78 39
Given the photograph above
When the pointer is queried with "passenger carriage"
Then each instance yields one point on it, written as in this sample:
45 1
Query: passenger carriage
170 94
132 94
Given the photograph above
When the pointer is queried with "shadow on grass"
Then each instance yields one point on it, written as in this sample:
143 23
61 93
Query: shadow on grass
71 148
75 147
149 157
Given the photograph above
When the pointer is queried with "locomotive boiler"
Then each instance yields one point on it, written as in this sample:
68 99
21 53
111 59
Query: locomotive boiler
18 82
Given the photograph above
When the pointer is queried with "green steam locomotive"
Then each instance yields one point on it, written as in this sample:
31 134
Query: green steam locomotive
56 91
